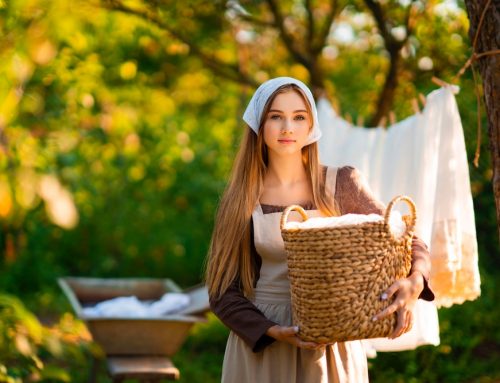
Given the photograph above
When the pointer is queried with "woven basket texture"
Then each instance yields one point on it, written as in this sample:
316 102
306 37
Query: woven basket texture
338 274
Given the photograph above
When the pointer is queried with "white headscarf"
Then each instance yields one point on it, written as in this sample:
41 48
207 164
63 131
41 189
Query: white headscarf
253 112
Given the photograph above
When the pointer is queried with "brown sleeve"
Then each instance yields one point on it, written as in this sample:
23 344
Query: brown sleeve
354 196
240 314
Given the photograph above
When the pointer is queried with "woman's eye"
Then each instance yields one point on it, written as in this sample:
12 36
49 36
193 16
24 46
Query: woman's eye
300 117
274 116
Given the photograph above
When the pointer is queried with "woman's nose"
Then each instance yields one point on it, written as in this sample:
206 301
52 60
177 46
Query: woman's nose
287 125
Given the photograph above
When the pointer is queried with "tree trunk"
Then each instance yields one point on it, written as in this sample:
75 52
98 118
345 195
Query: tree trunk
317 77
386 97
489 66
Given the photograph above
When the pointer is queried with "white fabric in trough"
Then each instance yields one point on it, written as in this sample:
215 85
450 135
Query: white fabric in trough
131 307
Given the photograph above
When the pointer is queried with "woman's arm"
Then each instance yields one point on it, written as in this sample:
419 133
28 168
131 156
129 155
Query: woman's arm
239 314
250 324
242 317
247 321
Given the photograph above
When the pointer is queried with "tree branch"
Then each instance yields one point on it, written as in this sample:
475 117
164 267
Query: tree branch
223 69
379 17
258 22
287 39
323 34
310 23
393 46
410 20
386 96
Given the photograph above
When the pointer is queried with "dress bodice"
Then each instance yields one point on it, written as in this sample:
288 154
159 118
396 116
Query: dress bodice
270 246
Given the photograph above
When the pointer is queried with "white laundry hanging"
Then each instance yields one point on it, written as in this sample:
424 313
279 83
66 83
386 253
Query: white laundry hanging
368 151
422 156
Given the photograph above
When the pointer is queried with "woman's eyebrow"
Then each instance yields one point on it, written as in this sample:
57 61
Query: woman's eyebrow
295 111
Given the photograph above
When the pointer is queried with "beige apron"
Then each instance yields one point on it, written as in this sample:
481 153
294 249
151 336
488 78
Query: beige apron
282 362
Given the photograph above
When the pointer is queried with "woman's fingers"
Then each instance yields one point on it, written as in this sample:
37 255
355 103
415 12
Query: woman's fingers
399 325
392 308
406 296
309 345
289 331
404 324
289 334
282 332
391 290
409 321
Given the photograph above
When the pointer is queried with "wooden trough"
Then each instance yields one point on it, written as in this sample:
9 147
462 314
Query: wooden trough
160 336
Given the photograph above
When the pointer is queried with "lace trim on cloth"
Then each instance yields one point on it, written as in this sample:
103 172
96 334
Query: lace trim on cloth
454 272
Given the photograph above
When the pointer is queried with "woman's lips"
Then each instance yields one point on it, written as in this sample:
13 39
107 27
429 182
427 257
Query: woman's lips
286 141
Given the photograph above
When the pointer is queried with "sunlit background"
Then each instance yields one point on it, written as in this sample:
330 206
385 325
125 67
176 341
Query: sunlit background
119 122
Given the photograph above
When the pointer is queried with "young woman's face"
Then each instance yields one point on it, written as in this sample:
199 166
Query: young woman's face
287 124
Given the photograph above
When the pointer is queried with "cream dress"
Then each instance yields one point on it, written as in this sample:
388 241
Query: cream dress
281 361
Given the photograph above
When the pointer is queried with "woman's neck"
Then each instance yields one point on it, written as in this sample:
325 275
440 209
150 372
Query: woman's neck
285 171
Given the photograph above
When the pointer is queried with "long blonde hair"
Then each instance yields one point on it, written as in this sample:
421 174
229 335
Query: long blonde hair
229 253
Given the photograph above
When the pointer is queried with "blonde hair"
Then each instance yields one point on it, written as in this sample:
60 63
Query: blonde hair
229 255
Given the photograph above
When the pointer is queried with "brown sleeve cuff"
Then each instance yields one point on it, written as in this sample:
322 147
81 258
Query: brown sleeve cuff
426 294
242 317
421 262
264 340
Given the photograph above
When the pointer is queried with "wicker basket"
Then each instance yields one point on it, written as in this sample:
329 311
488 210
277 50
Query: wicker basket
338 274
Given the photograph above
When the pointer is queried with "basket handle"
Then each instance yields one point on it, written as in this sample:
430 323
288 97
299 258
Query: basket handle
287 211
413 212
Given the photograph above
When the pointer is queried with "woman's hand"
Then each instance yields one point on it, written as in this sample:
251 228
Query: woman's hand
408 290
289 334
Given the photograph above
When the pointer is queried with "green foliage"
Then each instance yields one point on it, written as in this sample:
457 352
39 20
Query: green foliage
21 334
138 165
116 142
30 351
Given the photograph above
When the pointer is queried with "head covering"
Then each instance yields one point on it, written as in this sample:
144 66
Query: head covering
253 112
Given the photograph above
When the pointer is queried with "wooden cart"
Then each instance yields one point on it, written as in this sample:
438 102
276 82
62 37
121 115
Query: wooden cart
136 347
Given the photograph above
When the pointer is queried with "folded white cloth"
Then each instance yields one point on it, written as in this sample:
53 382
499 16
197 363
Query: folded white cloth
131 307
396 222
169 303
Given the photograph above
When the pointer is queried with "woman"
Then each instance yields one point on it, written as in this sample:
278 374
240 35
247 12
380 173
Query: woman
277 165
